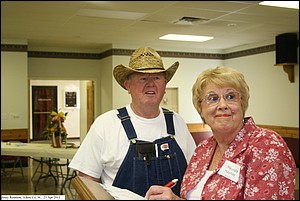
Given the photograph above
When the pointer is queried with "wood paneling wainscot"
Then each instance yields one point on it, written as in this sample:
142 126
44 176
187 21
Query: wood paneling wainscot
15 135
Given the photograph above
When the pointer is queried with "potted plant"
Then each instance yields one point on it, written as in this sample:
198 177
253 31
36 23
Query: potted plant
55 129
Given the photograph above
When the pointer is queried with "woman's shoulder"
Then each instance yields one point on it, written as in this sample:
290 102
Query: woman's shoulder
259 135
266 134
268 140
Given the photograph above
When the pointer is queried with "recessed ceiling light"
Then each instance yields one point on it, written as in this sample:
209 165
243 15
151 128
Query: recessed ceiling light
110 14
180 37
231 24
284 4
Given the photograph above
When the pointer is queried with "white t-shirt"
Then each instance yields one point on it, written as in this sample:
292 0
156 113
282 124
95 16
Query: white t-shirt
106 144
195 193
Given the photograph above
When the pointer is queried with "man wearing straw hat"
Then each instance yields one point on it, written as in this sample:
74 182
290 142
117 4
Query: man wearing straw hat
141 144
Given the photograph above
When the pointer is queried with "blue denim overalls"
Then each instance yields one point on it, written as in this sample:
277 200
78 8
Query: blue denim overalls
141 168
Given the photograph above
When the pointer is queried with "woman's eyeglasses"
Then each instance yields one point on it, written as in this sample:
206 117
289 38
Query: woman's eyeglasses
213 98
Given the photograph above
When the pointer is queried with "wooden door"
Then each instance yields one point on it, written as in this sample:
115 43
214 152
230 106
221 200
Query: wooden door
44 100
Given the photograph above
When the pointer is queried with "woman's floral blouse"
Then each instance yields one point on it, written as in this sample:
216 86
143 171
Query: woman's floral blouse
267 167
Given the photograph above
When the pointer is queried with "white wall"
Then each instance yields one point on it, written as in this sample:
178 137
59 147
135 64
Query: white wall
184 78
14 90
273 99
67 69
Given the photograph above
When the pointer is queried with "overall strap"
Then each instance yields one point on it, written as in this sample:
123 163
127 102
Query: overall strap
126 122
169 121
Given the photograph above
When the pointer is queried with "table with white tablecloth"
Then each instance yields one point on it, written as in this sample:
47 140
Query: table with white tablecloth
42 151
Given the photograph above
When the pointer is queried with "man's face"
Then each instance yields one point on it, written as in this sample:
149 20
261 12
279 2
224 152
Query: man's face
146 88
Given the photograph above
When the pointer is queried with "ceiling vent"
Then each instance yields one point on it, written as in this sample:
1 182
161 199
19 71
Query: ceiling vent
190 20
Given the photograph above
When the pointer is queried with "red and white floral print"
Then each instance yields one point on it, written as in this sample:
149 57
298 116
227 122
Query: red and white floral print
267 167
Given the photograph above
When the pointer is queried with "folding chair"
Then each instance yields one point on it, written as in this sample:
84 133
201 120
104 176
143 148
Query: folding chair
68 177
48 172
11 163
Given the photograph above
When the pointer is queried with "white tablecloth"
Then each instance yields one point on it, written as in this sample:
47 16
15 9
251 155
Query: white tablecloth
36 150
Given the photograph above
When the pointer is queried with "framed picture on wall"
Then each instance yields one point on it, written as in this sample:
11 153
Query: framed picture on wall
70 99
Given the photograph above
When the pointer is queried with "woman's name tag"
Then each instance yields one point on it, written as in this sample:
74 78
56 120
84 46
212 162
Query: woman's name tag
230 170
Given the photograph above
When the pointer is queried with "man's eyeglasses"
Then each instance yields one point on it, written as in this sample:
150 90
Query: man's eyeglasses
213 98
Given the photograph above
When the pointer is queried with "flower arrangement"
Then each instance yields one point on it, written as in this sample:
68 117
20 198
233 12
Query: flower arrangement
55 125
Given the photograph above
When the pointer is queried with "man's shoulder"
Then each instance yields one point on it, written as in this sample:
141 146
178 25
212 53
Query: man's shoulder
108 115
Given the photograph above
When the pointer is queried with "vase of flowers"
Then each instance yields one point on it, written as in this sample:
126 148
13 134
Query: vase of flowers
55 129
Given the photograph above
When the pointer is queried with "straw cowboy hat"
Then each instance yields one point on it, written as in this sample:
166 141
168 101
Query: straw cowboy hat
143 60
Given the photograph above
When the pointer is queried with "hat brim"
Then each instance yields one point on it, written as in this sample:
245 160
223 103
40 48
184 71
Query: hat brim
121 72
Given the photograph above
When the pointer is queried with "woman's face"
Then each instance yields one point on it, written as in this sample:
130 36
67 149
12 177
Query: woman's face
222 108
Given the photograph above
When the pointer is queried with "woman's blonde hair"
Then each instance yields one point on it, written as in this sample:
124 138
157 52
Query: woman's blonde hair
220 76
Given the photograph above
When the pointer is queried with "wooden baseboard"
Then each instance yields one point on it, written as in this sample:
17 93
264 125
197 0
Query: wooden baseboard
284 131
15 134
198 127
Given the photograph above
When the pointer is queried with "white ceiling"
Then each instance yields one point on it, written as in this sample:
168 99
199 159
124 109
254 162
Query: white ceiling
60 24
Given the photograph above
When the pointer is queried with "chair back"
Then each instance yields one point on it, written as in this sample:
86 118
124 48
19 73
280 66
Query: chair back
199 131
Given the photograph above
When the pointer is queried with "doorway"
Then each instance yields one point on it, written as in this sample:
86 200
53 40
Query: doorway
79 118
90 103
170 99
44 100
